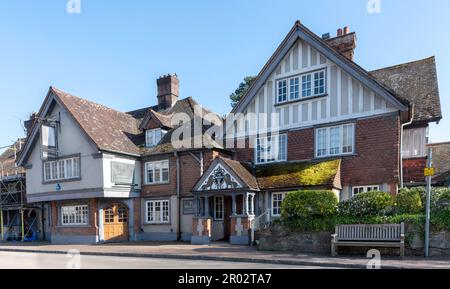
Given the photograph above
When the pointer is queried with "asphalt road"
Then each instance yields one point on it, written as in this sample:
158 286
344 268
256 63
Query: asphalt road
13 260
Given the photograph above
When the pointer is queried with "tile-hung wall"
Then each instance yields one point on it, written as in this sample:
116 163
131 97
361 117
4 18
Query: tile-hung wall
345 97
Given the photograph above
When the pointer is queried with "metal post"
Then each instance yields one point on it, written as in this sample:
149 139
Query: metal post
428 205
23 226
1 225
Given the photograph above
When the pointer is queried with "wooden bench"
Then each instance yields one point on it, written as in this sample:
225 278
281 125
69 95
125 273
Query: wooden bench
386 236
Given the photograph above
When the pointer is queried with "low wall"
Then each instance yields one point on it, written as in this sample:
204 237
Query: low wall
280 238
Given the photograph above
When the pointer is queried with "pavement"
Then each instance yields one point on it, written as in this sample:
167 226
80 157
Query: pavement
23 260
226 253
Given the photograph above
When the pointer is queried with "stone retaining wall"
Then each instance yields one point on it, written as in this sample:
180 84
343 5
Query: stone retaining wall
279 238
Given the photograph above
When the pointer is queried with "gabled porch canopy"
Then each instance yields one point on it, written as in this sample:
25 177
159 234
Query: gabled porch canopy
225 175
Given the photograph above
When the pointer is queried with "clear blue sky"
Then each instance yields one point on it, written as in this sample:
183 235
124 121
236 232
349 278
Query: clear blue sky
114 50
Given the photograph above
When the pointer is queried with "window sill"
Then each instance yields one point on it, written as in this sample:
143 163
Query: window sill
157 224
73 226
300 99
336 156
157 184
61 181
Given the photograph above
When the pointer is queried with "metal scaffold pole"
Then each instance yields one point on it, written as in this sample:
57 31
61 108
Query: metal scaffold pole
23 225
1 226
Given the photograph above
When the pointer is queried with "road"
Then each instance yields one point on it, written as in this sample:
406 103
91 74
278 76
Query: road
15 260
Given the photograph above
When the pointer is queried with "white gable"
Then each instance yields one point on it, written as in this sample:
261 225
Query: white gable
219 178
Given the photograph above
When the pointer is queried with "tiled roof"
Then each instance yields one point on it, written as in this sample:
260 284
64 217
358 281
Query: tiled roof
109 129
416 82
244 171
299 174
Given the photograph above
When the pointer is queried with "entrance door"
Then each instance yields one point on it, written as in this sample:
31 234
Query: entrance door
115 223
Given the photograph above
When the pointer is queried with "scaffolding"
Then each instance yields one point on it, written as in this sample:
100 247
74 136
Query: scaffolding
19 221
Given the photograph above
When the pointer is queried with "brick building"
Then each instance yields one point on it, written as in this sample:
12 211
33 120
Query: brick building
322 122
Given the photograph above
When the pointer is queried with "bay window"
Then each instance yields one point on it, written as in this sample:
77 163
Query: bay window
63 169
271 149
336 140
157 172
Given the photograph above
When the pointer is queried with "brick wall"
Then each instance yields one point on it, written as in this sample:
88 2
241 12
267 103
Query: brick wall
376 159
413 170
90 230
377 156
190 173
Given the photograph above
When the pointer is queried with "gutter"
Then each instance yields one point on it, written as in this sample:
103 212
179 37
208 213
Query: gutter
401 145
177 157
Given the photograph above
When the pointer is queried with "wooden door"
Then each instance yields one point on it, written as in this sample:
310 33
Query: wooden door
115 222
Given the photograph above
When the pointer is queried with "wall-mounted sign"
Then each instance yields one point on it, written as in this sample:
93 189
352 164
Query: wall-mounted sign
58 187
189 207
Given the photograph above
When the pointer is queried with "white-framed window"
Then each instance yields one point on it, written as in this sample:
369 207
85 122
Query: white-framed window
75 215
336 140
364 189
282 90
157 212
271 149
277 201
157 172
154 136
302 86
63 169
218 208
48 135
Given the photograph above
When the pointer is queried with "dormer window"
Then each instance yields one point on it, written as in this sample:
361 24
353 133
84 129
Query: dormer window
154 136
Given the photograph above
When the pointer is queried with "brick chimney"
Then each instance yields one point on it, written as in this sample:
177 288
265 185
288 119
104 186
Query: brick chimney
168 91
344 42
28 124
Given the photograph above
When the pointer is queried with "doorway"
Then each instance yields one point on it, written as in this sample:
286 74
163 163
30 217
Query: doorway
115 223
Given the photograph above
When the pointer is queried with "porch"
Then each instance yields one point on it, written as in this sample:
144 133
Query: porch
224 216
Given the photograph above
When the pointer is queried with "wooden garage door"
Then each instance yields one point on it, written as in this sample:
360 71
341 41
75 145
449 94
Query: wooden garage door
116 223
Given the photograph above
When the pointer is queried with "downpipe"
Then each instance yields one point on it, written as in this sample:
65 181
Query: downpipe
401 145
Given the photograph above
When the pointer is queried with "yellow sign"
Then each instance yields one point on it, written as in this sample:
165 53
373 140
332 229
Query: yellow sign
429 172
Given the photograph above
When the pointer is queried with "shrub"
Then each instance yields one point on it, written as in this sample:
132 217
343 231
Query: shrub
367 204
409 202
306 204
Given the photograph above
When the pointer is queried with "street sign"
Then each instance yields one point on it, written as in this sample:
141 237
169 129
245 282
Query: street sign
429 172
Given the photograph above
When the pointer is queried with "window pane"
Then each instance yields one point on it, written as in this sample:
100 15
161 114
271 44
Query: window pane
335 140
347 145
282 90
321 142
319 83
294 88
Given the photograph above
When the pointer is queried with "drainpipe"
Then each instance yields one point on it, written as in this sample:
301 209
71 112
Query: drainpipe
401 145
178 198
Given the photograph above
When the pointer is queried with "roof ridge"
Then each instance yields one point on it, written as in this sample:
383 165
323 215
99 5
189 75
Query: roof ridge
59 91
404 64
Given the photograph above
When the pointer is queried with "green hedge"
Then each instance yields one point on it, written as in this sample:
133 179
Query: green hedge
409 202
305 204
367 204
329 224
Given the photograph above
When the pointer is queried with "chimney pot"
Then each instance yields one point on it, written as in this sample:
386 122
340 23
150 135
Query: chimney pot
168 91
346 30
